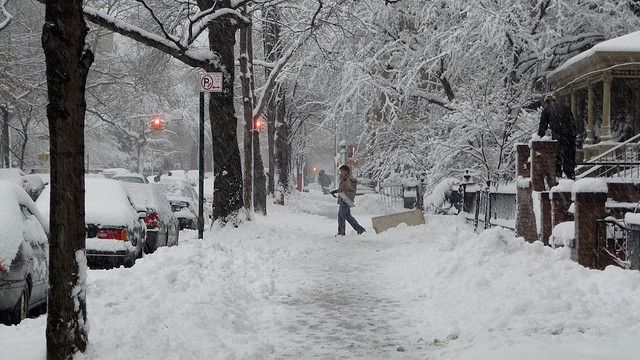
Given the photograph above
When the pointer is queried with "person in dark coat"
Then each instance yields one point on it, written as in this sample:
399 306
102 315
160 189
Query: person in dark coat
559 118
346 195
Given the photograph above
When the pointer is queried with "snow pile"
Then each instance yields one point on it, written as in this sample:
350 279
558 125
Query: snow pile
440 194
492 295
590 185
564 185
563 234
632 218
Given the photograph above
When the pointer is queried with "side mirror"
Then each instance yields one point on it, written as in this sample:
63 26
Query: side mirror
142 214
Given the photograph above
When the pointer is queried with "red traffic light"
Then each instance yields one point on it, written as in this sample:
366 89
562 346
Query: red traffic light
157 124
259 123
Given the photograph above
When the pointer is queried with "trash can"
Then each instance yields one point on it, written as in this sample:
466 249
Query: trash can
410 195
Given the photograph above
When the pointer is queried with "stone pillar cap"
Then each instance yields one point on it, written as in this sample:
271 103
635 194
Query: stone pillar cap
590 185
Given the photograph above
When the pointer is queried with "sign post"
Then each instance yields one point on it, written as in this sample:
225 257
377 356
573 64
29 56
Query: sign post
209 83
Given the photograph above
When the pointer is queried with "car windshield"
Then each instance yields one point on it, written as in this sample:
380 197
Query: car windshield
129 179
176 189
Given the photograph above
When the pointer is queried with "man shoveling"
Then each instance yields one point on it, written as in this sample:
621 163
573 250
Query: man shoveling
346 194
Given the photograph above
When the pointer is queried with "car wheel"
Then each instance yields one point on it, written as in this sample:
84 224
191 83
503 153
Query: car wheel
21 310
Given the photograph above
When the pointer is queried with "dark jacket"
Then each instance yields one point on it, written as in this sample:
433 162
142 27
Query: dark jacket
348 187
560 119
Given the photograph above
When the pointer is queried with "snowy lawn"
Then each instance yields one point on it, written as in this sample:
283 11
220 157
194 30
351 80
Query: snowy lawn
282 287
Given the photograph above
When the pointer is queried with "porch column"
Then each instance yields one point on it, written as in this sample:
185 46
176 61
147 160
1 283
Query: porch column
590 114
606 106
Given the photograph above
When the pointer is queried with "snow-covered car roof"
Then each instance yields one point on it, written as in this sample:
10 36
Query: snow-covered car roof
150 196
106 203
12 197
177 189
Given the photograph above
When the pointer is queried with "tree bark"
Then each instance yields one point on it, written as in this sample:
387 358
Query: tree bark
5 150
227 169
247 102
271 37
67 66
283 145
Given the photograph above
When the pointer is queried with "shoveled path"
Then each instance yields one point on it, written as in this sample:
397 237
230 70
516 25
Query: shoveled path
336 308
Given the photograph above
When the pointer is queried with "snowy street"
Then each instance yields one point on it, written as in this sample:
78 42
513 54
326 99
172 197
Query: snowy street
283 287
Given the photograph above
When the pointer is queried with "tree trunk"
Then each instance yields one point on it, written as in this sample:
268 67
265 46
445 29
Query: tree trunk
271 37
227 169
259 180
67 66
247 102
5 137
283 145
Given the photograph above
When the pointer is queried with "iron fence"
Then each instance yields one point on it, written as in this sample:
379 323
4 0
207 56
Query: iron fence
611 243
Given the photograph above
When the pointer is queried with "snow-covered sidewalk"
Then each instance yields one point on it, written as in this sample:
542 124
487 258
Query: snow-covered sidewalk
282 287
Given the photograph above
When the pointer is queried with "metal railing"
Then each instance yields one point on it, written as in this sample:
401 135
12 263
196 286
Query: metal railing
622 160
391 193
611 243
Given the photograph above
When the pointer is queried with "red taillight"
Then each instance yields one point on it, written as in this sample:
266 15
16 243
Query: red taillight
3 267
113 234
152 220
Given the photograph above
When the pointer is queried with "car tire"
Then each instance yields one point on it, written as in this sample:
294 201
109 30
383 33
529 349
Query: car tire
21 310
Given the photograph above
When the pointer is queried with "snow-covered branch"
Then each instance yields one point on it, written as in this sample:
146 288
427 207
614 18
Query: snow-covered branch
7 16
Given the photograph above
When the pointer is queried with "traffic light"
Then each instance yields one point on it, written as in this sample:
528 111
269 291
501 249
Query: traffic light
157 124
259 123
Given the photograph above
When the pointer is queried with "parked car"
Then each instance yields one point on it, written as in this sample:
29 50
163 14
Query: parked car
131 178
184 201
31 183
115 228
162 224
24 255
111 172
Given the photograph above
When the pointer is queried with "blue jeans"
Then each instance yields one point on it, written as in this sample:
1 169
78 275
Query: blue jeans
344 213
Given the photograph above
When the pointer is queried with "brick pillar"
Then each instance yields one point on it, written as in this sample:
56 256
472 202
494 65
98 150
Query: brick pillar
545 216
525 218
560 203
522 161
543 164
589 196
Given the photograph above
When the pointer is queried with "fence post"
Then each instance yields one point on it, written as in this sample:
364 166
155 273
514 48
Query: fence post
545 217
633 240
589 196
525 218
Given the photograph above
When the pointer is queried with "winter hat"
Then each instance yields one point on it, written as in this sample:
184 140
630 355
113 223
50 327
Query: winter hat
345 167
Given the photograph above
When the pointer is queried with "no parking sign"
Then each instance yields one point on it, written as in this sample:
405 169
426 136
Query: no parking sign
211 82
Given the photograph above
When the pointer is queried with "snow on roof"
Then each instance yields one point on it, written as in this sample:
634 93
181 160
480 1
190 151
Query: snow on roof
625 43
590 185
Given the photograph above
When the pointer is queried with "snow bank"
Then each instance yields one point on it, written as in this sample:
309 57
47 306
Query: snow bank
492 295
